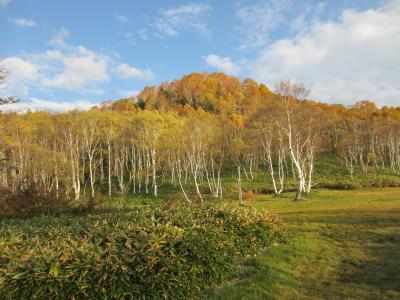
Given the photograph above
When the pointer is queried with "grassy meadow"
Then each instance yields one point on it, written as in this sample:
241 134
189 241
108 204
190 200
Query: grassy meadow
341 245
334 244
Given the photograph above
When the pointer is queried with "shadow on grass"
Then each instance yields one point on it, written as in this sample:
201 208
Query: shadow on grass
257 279
381 265
336 254
369 245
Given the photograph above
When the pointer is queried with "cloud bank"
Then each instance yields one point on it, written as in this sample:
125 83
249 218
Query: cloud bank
35 104
67 68
173 20
356 57
223 64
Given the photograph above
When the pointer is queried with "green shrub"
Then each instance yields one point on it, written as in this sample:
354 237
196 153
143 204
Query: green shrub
146 253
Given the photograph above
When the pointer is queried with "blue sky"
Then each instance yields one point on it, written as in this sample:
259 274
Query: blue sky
65 54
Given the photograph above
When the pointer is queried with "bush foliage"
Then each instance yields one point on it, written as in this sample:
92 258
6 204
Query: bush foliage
30 199
141 253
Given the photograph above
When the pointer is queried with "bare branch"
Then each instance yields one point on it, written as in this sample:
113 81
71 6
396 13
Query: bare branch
3 74
8 100
3 78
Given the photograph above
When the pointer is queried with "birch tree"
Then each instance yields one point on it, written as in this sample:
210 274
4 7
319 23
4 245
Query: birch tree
298 122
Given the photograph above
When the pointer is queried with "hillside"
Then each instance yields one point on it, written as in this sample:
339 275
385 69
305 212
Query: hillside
197 131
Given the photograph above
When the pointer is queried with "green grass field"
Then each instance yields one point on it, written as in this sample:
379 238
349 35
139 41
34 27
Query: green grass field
341 245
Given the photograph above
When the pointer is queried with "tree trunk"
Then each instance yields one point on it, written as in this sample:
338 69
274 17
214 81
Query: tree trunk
299 192
109 169
240 193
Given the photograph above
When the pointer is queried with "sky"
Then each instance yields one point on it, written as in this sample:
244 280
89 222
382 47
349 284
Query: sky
71 54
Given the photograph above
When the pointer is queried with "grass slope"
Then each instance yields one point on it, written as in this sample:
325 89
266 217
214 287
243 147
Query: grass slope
342 245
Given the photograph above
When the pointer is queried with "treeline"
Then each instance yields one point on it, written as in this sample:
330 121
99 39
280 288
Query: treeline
189 134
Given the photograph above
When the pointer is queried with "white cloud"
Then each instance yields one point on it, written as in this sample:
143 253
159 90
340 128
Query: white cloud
128 93
21 73
223 64
262 19
44 105
23 22
72 68
4 2
126 71
121 19
165 28
355 58
53 54
129 38
144 33
80 69
190 9
59 36
67 67
187 17
19 68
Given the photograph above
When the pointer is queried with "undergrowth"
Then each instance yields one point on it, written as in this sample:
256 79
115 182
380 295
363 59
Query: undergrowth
138 253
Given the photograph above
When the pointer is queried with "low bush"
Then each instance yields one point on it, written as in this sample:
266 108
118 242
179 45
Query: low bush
141 253
249 195
30 200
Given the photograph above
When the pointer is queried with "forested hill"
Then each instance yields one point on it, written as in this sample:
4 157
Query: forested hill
217 93
192 133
